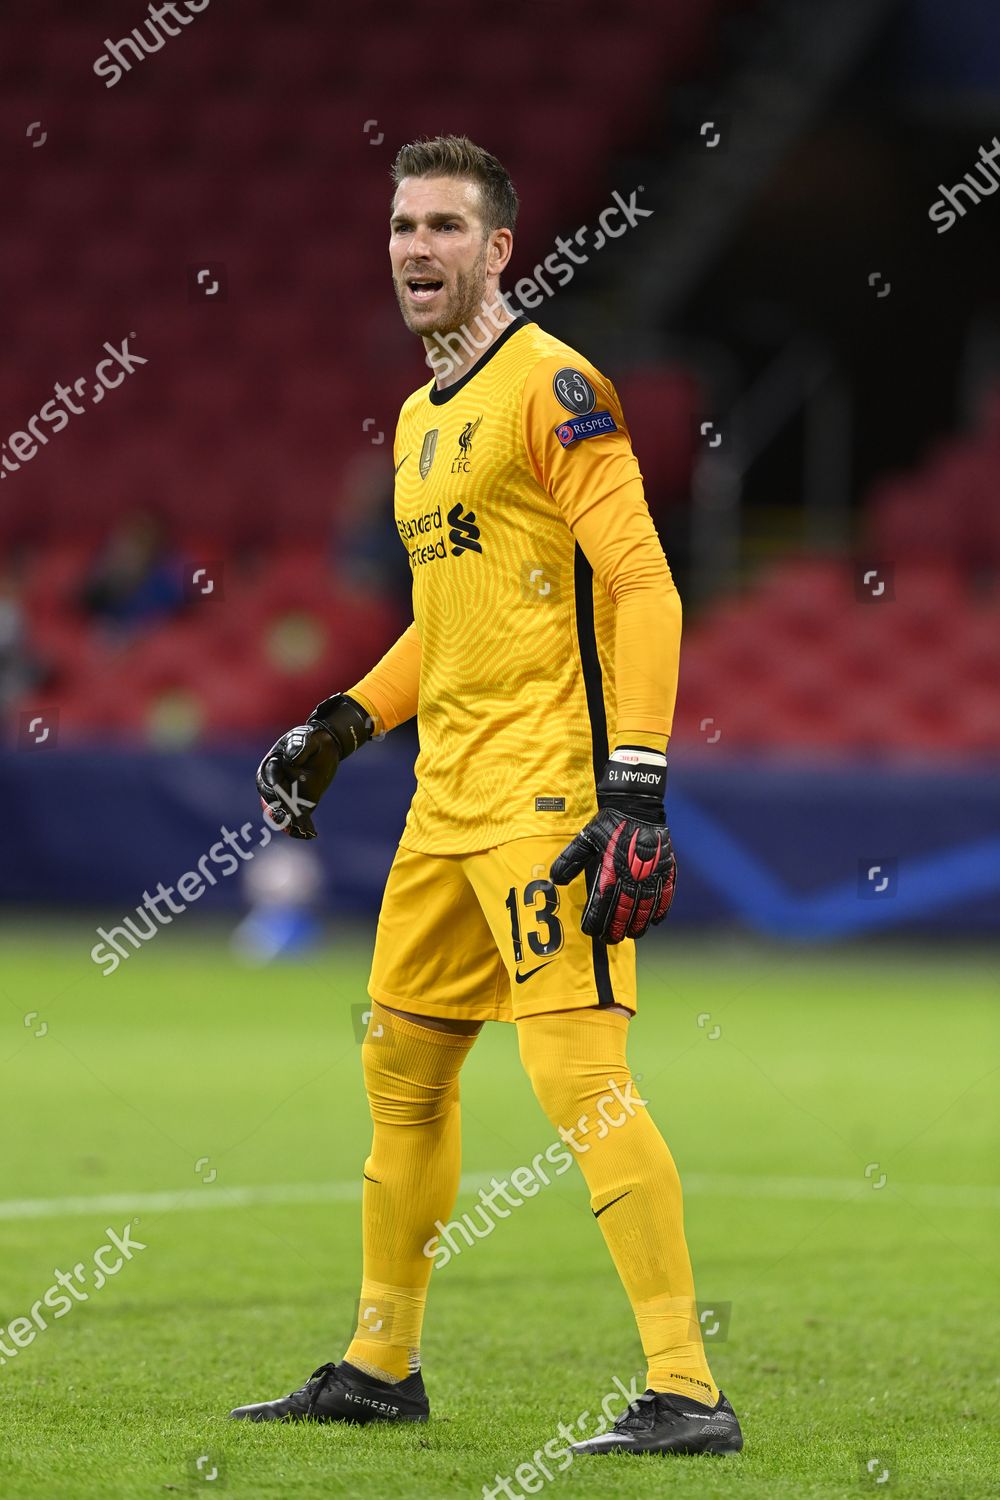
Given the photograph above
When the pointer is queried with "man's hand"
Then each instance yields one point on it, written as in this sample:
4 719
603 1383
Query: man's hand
625 851
297 770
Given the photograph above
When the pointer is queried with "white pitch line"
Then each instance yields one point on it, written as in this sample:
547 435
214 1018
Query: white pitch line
832 1189
696 1185
204 1195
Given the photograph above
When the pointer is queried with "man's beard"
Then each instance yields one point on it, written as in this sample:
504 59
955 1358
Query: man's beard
464 306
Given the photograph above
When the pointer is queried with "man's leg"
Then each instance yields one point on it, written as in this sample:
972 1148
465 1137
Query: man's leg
572 998
576 1063
436 976
411 1066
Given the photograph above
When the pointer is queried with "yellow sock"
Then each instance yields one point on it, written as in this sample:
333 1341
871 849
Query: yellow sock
576 1063
411 1181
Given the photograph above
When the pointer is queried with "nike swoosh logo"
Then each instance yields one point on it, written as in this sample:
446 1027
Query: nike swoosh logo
371 1179
599 1211
520 978
402 461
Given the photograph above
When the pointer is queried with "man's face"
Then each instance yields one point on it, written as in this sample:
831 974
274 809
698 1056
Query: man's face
438 253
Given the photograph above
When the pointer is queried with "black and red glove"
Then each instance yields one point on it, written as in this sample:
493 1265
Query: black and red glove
625 851
297 770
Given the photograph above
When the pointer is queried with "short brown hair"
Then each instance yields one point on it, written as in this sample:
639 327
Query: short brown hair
457 156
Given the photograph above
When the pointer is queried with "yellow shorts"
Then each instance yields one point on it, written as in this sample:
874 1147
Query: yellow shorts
488 937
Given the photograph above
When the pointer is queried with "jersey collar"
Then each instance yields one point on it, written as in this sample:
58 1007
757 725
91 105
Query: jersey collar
438 398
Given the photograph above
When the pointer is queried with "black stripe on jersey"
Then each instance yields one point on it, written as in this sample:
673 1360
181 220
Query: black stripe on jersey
593 683
438 398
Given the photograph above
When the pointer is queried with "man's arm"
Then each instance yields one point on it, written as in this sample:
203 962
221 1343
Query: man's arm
583 458
619 540
389 691
597 485
299 768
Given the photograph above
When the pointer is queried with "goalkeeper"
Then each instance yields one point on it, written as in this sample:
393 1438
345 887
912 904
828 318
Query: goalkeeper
541 666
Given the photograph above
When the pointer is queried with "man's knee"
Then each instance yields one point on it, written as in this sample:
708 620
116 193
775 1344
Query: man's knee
410 1071
573 1058
435 1023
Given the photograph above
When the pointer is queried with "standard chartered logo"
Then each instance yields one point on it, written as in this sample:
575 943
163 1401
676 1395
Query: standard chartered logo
464 533
420 530
423 535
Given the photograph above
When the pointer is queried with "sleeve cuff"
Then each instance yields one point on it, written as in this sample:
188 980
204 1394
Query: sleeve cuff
369 707
635 735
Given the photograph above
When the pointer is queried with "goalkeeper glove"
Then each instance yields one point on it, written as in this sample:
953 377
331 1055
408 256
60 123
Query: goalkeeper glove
297 770
625 851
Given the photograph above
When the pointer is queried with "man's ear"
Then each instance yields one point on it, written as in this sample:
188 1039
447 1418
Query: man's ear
500 250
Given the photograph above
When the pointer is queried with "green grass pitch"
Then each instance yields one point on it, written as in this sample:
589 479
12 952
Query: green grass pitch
833 1115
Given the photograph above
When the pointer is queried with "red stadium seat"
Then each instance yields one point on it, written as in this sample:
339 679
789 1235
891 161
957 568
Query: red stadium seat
242 427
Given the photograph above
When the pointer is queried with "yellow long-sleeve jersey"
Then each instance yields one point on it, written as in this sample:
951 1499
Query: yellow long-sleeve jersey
546 625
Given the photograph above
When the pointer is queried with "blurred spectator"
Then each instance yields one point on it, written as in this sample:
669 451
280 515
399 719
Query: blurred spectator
284 889
20 670
136 578
368 552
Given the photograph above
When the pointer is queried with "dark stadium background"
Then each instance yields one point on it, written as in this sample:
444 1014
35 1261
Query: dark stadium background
190 565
